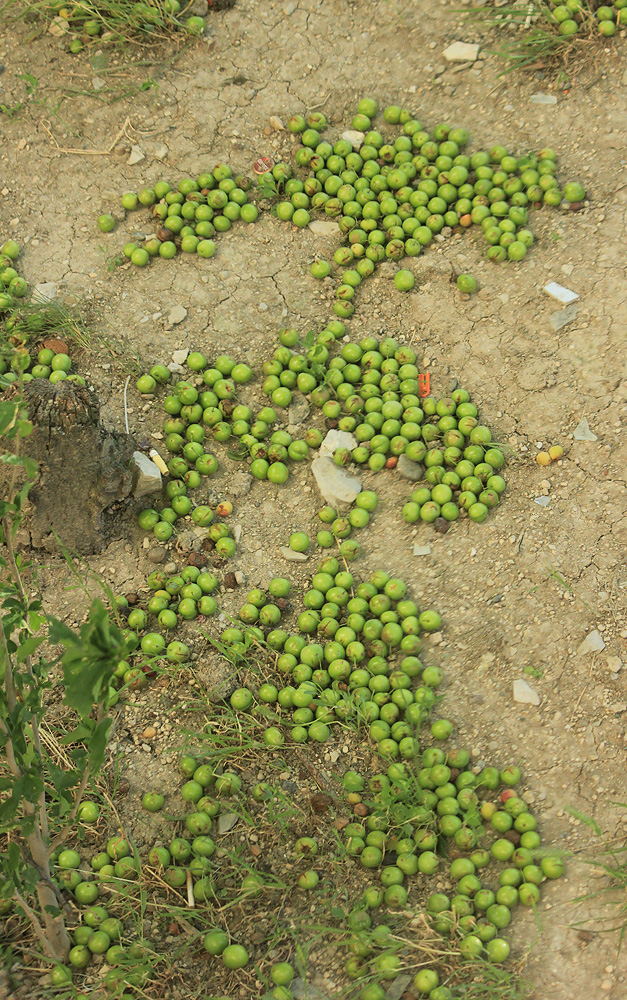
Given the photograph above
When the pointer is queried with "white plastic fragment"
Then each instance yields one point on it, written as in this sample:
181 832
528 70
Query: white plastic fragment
542 501
582 431
563 295
524 694
593 643
541 98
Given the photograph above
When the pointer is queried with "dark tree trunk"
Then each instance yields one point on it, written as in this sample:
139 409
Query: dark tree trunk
85 471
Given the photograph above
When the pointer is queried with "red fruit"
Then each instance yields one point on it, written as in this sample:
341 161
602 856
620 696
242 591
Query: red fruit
391 462
508 793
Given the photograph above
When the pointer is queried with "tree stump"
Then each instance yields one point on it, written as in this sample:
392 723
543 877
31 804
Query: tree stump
85 470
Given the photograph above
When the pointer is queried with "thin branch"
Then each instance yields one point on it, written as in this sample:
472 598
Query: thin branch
9 685
6 527
34 919
61 836
13 764
43 813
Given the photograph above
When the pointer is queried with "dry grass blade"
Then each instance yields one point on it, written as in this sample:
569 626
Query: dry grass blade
119 21
537 40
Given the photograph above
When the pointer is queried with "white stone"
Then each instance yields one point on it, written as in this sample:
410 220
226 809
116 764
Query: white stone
277 124
337 439
59 27
541 98
180 357
336 485
176 368
462 52
593 643
177 315
542 501
563 295
161 151
136 155
45 291
291 555
355 138
146 475
422 550
524 693
582 431
324 227
98 83
614 663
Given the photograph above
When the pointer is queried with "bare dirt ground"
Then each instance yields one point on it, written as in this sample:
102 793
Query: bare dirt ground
524 588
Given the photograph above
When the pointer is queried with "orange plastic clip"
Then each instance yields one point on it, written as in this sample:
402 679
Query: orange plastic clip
424 384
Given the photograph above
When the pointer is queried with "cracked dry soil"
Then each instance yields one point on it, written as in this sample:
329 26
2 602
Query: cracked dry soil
524 588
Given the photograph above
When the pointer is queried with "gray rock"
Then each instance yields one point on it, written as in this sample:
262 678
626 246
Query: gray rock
45 291
161 151
136 155
176 368
524 693
226 822
157 554
563 317
177 315
305 991
336 485
238 485
217 676
146 475
180 357
413 471
337 439
198 8
192 538
298 411
98 83
291 555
